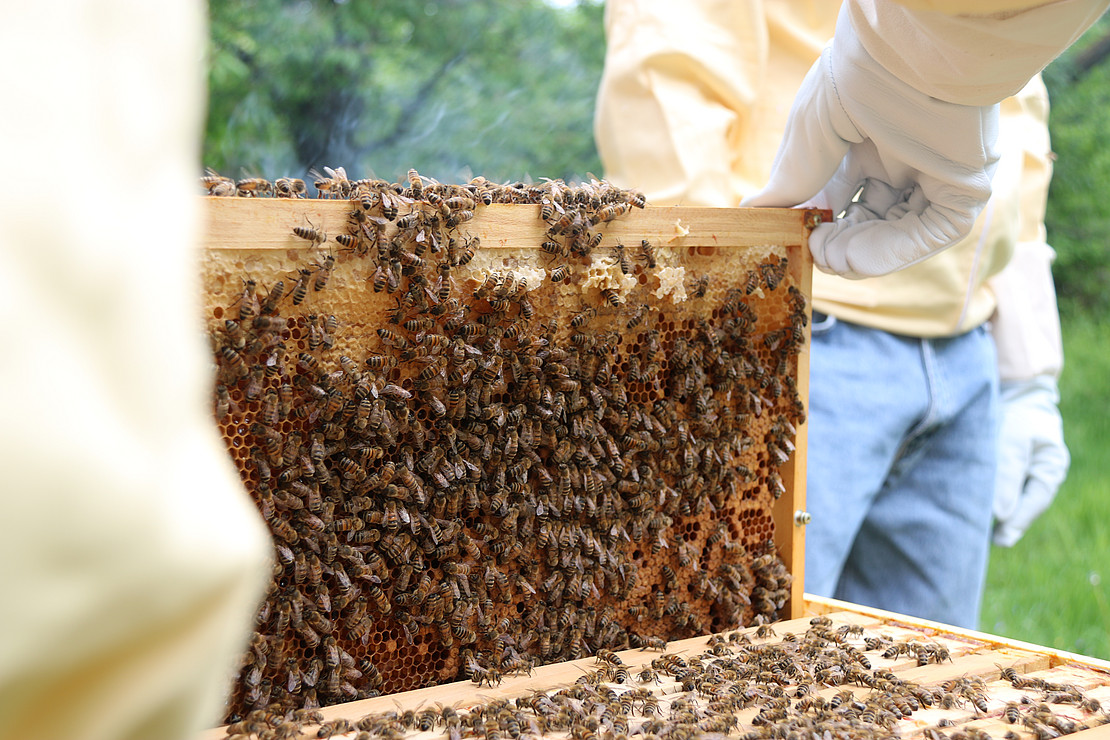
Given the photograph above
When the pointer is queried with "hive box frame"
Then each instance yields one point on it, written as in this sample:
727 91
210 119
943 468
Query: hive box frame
248 237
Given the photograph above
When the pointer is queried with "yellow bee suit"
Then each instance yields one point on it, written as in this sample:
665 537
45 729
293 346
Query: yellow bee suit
133 560
691 108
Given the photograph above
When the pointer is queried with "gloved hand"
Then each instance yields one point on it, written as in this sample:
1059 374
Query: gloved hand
925 165
1032 458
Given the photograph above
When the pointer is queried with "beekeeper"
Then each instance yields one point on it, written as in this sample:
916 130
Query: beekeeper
897 128
132 558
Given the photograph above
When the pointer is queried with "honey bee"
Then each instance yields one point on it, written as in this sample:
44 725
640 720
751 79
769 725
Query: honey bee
247 301
462 255
416 185
492 369
583 316
289 187
389 204
379 599
547 210
349 242
569 222
410 220
310 234
588 242
251 187
554 248
300 288
458 217
622 258
773 272
323 273
393 339
334 185
223 402
217 184
269 305
233 363
637 316
383 277
610 212
482 676
460 203
647 253
611 296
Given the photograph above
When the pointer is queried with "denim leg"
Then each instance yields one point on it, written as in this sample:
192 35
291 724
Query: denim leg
924 543
901 465
866 392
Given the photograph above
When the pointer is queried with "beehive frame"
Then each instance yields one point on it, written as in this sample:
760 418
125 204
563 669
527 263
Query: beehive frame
254 239
995 686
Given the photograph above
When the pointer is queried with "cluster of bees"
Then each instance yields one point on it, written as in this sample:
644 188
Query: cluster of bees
753 684
490 483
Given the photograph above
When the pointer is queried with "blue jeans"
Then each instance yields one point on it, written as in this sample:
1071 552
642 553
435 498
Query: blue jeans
901 466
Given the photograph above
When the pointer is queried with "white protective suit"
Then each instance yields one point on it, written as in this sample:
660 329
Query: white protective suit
695 98
133 560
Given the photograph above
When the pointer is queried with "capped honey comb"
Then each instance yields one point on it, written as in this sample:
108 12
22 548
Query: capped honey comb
497 426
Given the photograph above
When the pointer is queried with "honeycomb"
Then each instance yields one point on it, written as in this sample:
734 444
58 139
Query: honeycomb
476 457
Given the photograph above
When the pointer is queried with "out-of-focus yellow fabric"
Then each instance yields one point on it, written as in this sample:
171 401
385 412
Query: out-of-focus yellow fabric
692 105
973 7
1026 324
976 57
133 560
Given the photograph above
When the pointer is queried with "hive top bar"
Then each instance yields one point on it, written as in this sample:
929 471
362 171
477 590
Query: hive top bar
263 223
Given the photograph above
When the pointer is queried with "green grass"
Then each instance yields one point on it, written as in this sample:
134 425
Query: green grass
1053 587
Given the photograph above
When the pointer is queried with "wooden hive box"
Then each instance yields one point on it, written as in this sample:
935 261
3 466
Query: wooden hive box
841 669
461 456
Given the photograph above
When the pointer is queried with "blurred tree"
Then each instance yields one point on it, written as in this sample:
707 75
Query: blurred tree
1078 219
502 88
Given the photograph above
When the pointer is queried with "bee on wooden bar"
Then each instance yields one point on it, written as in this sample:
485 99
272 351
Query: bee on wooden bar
289 187
217 184
251 187
349 242
333 185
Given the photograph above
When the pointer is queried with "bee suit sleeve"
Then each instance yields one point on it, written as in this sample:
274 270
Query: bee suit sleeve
902 104
132 558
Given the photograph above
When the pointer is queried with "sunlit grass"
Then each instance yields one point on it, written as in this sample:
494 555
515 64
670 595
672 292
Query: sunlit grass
1053 587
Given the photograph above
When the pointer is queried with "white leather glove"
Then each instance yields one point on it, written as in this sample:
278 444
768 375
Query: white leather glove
1032 458
925 165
